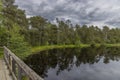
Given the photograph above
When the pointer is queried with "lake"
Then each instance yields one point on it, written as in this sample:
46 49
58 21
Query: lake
92 63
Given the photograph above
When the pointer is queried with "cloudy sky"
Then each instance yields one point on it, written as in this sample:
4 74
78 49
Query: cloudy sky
96 12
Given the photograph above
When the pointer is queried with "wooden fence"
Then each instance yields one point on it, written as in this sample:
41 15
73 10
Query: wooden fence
18 69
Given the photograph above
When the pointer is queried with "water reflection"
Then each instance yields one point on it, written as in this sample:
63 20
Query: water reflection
77 64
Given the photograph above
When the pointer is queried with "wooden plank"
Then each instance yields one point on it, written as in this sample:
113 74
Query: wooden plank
4 72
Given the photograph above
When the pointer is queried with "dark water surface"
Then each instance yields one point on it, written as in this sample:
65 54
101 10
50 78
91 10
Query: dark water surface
77 64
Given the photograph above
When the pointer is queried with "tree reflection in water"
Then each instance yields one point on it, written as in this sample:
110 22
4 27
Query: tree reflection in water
67 59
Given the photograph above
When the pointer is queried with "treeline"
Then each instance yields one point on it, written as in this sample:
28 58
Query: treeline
45 33
18 32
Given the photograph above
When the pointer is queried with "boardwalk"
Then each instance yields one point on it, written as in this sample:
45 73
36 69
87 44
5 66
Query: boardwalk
4 73
17 67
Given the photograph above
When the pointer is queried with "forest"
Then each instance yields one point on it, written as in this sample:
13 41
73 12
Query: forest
20 33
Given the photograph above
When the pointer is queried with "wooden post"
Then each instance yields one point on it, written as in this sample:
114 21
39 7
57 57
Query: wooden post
19 73
30 79
13 66
10 63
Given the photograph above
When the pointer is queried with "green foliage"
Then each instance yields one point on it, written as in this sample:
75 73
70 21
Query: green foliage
3 36
1 6
17 43
15 15
8 3
12 29
92 45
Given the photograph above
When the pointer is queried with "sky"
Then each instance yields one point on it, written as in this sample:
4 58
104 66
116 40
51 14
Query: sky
89 12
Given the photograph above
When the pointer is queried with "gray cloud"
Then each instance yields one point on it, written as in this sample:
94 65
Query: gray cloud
96 12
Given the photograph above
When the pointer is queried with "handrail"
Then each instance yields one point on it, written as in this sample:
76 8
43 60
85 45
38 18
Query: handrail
18 68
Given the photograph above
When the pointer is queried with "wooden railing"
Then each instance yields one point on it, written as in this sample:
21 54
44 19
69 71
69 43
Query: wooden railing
18 68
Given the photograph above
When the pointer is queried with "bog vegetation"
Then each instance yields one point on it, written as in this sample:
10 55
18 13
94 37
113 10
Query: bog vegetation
20 33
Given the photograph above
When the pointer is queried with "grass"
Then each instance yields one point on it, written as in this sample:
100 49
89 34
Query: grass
41 48
112 45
